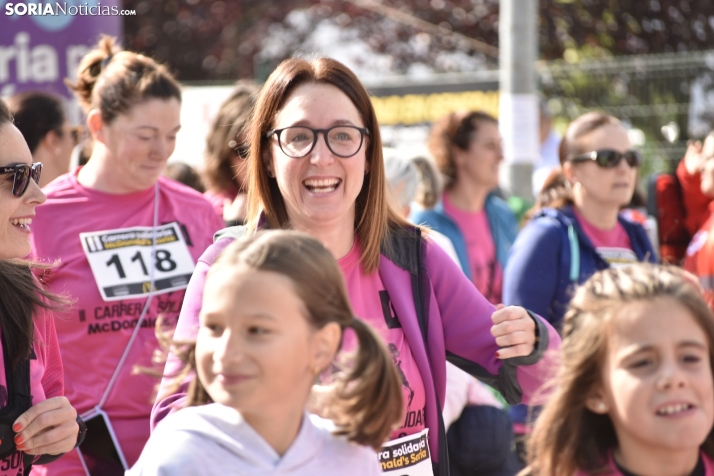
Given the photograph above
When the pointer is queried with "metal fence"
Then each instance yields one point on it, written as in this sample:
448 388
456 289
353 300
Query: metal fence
647 91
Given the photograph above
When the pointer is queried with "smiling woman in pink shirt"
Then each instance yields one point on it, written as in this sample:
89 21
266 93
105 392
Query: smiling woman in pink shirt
37 423
316 166
126 240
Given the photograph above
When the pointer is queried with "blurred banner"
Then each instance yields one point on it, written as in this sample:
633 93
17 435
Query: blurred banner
41 43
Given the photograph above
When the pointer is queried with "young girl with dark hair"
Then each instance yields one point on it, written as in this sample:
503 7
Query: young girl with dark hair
275 310
37 423
635 393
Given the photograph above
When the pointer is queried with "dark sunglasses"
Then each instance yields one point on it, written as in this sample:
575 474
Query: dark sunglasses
608 158
240 149
23 173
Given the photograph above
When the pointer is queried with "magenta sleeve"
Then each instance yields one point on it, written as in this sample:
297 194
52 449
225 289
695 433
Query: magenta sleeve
186 329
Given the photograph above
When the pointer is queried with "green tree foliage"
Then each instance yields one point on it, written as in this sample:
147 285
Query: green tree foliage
219 40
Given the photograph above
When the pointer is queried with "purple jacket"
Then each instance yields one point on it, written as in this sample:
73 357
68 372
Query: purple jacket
458 327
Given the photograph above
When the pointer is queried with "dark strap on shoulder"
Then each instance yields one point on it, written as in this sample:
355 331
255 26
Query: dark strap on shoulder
406 248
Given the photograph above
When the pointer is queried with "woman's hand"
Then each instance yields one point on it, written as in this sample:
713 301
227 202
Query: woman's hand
50 427
514 330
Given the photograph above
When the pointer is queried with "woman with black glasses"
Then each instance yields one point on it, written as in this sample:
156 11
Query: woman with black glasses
37 423
316 165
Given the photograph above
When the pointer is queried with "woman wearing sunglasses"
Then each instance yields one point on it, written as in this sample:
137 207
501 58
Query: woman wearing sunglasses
127 240
37 423
579 229
315 165
576 228
224 171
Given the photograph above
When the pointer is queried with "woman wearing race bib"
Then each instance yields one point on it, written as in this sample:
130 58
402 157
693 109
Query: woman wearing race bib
579 229
275 311
316 166
37 423
104 223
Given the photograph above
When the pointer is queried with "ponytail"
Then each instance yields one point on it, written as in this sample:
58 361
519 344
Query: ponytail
89 70
113 81
556 193
367 402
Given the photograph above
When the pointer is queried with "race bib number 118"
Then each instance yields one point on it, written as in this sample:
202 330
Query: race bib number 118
121 259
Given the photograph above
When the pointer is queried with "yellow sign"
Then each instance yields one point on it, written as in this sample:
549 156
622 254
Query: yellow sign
418 108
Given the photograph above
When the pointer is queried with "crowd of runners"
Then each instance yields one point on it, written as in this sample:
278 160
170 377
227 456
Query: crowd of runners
310 303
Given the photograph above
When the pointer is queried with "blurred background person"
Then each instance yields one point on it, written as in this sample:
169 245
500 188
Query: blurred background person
467 149
405 178
699 258
224 171
133 113
41 119
549 144
481 439
185 174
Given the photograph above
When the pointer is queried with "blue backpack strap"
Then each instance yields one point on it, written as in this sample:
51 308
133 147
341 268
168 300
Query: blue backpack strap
574 253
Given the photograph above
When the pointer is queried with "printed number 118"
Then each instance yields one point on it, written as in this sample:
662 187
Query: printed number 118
164 262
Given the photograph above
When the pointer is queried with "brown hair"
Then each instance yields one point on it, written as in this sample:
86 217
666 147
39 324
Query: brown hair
454 130
367 399
373 214
567 436
556 191
222 142
185 174
113 81
429 188
35 114
20 294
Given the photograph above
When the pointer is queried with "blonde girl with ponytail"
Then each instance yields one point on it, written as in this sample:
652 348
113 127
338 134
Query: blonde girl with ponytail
275 308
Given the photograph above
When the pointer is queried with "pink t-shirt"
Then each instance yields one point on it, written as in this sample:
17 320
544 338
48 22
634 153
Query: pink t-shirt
371 303
46 379
614 246
486 271
95 332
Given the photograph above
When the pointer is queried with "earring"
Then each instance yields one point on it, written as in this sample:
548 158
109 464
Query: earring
270 174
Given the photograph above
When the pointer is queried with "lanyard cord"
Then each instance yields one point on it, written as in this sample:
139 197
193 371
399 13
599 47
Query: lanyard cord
129 345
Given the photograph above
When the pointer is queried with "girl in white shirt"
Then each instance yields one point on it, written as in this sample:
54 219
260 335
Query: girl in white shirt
274 311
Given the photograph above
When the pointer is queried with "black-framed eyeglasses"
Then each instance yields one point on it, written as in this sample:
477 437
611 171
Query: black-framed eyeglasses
608 158
298 141
23 173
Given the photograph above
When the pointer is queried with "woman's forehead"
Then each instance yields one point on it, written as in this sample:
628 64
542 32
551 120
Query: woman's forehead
318 102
